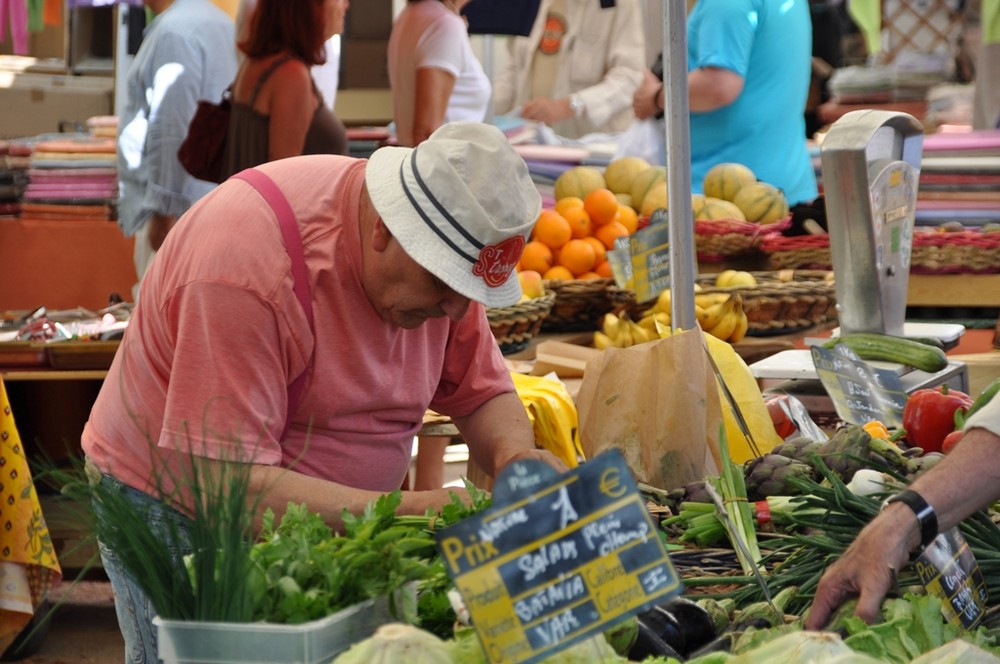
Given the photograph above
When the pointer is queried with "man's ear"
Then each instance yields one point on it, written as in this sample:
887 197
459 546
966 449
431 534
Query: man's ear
380 235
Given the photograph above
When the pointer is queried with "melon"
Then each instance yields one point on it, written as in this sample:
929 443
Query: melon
644 182
716 208
625 199
578 181
656 199
726 179
762 203
697 203
621 172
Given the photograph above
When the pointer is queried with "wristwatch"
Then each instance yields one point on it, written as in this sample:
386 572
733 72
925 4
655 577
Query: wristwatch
926 517
576 105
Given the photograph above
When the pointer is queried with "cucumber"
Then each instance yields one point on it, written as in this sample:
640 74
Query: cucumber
928 341
873 346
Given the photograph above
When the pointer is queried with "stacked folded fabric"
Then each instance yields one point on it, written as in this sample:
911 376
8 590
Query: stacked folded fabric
13 167
960 178
72 176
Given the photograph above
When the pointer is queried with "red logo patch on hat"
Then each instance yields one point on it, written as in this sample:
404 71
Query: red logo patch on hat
497 261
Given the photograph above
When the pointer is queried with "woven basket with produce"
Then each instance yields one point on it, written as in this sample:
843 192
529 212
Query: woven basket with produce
799 252
942 251
774 302
514 326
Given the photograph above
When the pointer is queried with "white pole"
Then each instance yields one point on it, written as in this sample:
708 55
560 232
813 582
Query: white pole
683 265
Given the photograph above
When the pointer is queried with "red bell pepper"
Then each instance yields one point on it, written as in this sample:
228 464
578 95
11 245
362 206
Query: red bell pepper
929 416
951 440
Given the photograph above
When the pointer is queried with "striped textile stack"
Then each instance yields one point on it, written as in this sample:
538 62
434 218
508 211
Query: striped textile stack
72 177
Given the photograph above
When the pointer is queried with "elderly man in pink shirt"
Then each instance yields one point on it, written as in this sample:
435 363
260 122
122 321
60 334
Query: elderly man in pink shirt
311 348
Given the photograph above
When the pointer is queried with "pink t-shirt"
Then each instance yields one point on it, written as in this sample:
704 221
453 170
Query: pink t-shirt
218 335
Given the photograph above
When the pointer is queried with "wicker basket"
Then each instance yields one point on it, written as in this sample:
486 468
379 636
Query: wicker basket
802 252
782 302
962 252
514 326
717 240
580 304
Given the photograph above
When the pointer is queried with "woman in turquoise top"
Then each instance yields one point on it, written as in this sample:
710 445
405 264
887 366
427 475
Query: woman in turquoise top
749 65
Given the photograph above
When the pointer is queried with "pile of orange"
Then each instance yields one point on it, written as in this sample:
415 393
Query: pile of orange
571 240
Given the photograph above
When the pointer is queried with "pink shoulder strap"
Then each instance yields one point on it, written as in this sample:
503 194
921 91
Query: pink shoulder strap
300 277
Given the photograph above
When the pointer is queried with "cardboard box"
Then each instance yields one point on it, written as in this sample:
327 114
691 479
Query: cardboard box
364 63
37 104
371 19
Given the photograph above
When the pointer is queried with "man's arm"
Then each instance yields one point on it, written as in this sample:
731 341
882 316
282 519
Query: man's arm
967 480
498 432
711 88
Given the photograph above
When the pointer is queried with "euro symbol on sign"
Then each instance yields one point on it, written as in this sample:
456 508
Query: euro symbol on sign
611 484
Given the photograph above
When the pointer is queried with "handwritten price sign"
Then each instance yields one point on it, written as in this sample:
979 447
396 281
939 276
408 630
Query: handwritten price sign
557 558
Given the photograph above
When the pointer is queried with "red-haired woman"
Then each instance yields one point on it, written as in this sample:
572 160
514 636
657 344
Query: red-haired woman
277 110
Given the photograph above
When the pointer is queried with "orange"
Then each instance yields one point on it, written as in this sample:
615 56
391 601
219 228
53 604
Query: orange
536 256
628 218
600 251
579 222
609 232
558 273
577 256
601 205
568 203
589 275
552 229
604 269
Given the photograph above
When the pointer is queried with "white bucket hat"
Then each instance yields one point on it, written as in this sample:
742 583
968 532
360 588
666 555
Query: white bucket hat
461 204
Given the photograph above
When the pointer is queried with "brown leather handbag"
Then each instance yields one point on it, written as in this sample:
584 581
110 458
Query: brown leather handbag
202 151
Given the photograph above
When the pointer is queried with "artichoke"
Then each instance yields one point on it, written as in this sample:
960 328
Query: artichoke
768 476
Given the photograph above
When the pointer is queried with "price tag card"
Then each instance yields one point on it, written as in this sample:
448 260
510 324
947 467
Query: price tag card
650 254
948 568
557 558
860 393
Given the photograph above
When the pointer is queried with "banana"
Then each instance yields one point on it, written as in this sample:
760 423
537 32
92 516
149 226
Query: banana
611 325
699 314
715 313
640 334
705 300
602 341
663 331
663 301
624 337
730 319
741 327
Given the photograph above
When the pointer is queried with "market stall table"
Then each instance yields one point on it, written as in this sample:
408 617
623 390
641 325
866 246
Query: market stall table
63 264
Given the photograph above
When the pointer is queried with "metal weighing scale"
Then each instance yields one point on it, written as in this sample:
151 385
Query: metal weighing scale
871 167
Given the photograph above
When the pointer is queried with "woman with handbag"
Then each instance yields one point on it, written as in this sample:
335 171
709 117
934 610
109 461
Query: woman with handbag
277 111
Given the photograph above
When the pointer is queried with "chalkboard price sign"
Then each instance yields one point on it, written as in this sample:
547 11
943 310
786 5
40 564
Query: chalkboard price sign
557 558
650 251
860 393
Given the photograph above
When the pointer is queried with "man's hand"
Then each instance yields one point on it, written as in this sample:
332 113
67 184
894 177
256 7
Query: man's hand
645 98
539 454
867 569
159 226
547 111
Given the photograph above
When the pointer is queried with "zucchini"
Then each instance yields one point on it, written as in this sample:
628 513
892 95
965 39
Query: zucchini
874 346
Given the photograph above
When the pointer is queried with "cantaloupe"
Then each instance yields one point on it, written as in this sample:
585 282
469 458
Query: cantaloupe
656 199
644 181
716 208
578 181
726 179
621 172
625 199
697 203
762 203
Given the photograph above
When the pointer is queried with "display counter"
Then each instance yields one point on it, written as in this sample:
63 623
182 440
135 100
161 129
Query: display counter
63 264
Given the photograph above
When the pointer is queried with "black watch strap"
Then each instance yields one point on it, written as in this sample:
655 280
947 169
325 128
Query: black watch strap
923 511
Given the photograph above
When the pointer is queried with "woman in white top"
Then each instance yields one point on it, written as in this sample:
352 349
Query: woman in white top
434 75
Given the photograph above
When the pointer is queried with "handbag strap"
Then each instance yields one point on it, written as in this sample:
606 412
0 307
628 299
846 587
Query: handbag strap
300 277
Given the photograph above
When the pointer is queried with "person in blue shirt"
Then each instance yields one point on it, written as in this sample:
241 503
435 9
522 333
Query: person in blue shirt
749 67
187 54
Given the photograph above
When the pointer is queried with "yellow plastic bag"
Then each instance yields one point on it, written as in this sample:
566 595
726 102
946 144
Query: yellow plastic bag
747 394
553 416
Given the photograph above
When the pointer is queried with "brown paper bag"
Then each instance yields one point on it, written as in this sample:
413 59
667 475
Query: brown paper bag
658 403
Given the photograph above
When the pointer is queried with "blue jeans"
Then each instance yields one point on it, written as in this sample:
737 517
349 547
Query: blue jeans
134 609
